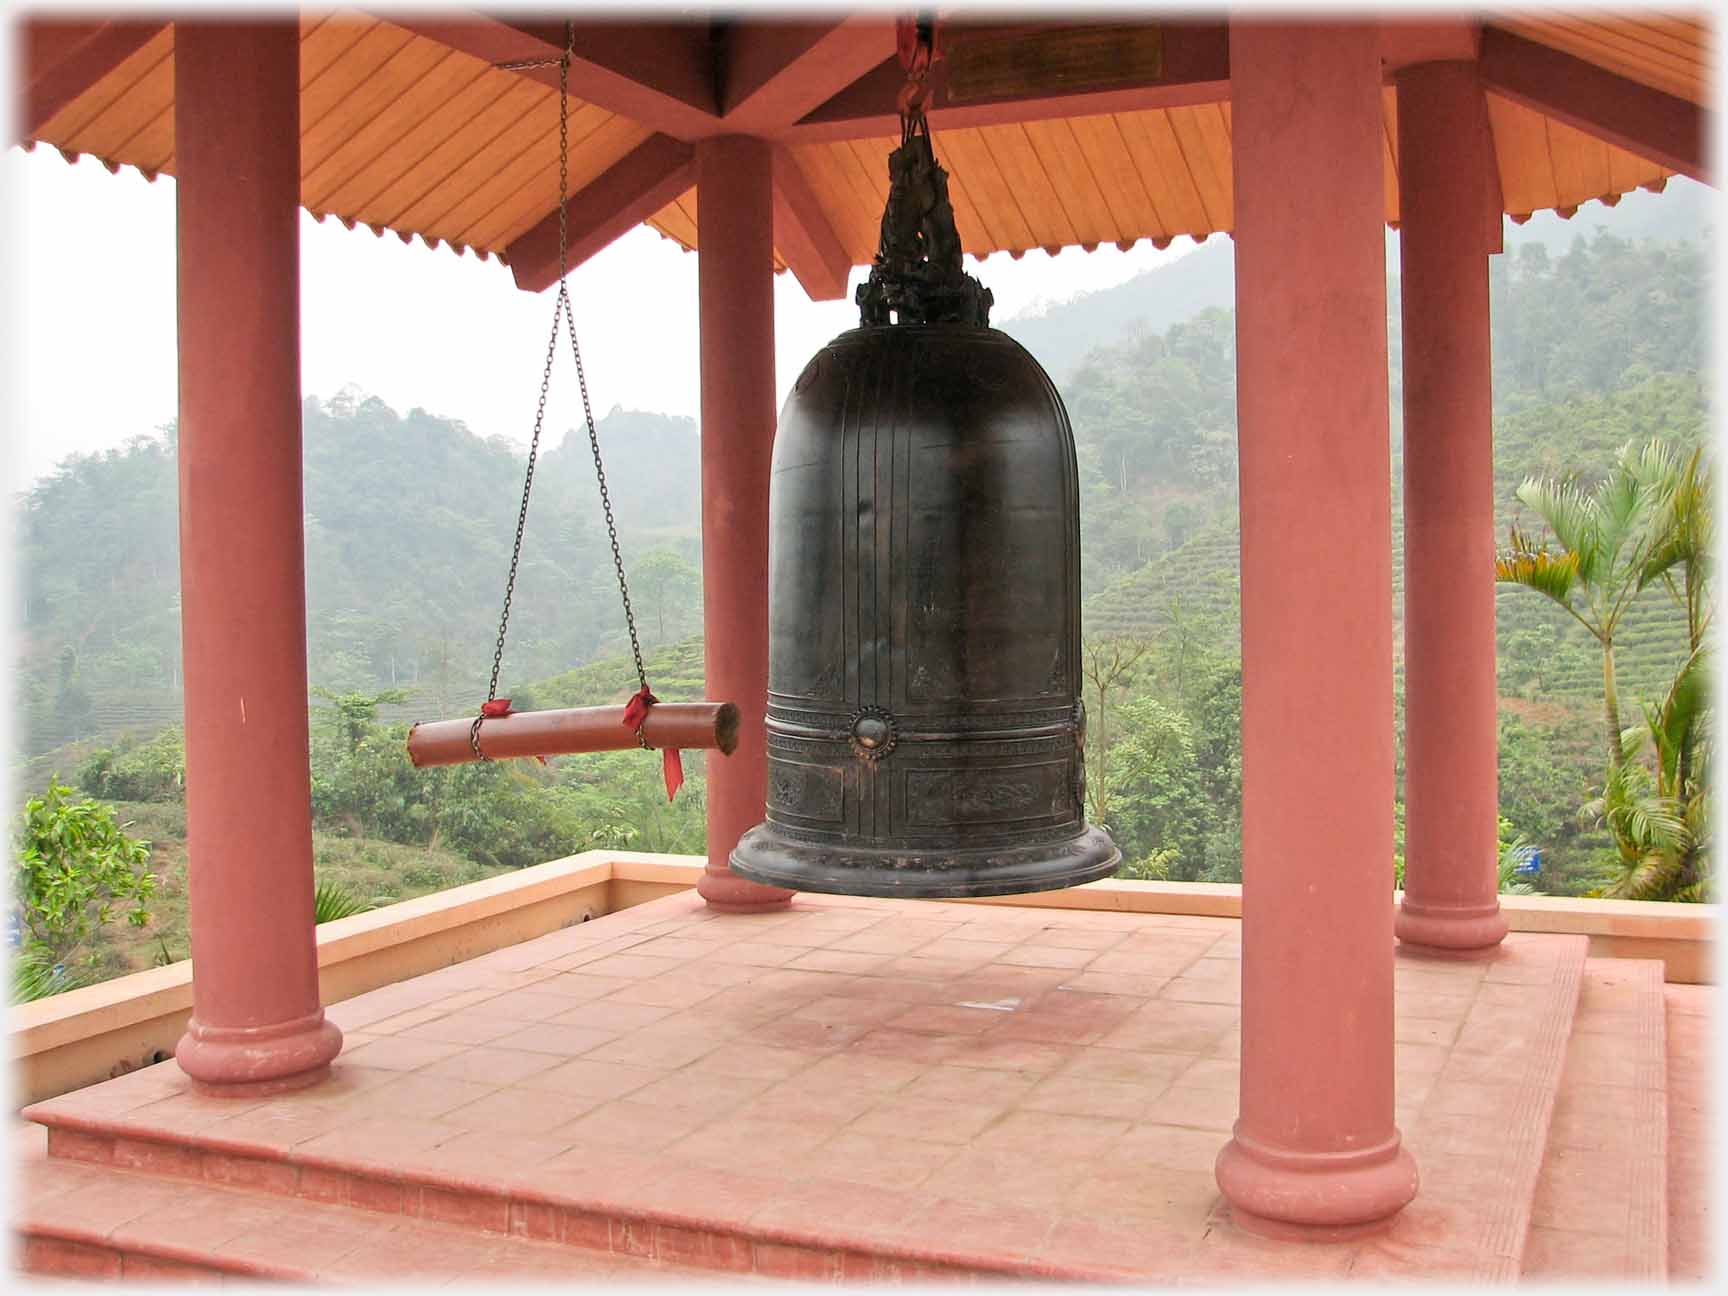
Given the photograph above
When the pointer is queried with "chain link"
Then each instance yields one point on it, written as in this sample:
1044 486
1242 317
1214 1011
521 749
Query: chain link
562 311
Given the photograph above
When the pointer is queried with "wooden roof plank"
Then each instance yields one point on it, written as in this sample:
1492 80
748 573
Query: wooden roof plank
850 218
1058 147
78 115
864 166
348 85
601 211
805 236
151 94
528 166
972 160
1569 151
1041 201
1132 207
370 138
355 123
608 144
438 168
443 209
328 42
969 219
1152 145
1206 143
1521 148
151 148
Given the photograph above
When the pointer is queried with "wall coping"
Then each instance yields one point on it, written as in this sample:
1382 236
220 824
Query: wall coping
142 996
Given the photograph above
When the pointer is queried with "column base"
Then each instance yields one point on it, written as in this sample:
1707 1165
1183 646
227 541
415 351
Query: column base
1316 1197
256 1061
725 891
1451 931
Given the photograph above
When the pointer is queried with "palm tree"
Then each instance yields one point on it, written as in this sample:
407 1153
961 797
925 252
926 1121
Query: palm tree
1648 521
1658 815
1614 541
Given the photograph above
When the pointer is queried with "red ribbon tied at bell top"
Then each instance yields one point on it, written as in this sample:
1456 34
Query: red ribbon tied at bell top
672 762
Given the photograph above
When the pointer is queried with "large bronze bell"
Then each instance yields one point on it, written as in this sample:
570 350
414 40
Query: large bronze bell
925 727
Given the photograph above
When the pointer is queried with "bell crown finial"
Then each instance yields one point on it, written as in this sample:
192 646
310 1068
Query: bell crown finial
917 276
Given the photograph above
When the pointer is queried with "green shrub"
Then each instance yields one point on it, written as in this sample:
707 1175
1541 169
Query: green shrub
134 771
74 865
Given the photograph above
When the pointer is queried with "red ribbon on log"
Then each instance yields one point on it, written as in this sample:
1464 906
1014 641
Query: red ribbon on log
671 761
497 709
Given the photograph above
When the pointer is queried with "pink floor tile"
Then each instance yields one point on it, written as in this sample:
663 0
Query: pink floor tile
914 1084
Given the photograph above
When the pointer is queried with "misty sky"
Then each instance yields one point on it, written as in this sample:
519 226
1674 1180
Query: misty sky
90 268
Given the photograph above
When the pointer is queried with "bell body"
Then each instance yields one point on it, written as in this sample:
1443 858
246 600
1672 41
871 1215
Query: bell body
924 722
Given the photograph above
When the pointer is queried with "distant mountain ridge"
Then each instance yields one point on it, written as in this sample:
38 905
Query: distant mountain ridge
1172 293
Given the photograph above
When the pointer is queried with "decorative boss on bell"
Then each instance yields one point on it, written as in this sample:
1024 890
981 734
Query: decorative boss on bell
926 735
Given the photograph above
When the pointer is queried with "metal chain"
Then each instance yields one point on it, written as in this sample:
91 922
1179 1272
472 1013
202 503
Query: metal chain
606 504
561 311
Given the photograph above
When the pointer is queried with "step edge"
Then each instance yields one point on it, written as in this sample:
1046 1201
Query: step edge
1538 1093
625 1214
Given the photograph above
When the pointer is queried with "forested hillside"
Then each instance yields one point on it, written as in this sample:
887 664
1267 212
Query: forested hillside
409 521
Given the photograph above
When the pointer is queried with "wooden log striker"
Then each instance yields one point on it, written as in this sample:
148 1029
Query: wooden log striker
567 732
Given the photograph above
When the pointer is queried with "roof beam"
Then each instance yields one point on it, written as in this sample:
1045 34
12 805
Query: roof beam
62 58
611 205
658 73
805 238
1193 67
1667 130
772 73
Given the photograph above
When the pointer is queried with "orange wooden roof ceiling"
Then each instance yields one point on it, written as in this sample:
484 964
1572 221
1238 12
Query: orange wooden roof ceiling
402 132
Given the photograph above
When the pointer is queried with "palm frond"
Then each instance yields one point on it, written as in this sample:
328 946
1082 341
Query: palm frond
331 900
35 975
1536 567
1570 515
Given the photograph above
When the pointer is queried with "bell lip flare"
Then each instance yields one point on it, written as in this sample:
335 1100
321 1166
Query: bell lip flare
763 855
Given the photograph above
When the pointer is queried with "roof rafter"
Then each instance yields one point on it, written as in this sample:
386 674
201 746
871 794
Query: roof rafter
773 73
803 235
1669 131
609 206
62 58
659 73
1193 68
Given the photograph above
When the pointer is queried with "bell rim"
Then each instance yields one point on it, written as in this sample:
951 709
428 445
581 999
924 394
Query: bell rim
763 855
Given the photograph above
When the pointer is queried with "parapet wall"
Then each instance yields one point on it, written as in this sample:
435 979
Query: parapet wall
88 1035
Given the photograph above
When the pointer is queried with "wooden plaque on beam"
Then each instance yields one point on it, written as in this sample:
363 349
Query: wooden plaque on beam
1072 59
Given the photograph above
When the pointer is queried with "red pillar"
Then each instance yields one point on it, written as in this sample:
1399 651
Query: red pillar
1315 1151
735 277
1450 221
257 1025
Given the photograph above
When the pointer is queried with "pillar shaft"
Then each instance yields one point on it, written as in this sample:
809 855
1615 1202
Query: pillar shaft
257 1024
1315 1150
1451 788
735 277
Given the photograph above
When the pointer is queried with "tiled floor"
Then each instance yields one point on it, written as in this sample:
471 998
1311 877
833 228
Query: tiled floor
1600 1211
1008 1087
